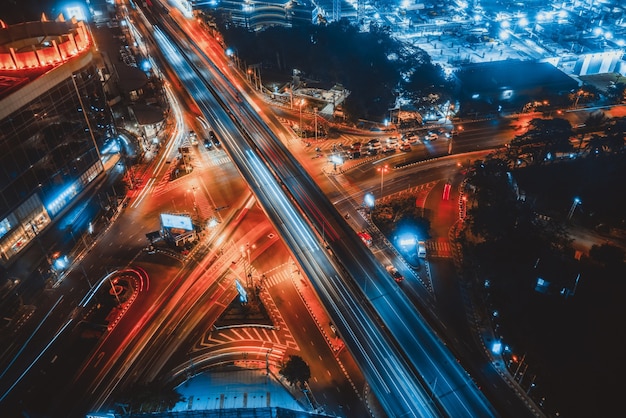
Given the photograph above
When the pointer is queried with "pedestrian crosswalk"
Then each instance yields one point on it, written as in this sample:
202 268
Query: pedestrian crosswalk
210 159
439 247
202 206
248 333
420 190
215 161
277 333
274 279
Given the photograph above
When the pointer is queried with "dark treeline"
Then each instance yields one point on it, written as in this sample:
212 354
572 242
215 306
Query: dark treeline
372 65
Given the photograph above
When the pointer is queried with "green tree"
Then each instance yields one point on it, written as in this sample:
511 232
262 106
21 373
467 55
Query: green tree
400 214
151 397
617 93
296 371
616 134
492 214
596 121
585 95
545 137
428 86
371 65
597 145
608 255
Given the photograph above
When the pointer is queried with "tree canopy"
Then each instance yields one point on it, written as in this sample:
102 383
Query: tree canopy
151 397
544 138
371 65
296 371
400 214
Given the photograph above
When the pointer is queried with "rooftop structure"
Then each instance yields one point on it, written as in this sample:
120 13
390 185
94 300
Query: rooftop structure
53 121
258 14
510 84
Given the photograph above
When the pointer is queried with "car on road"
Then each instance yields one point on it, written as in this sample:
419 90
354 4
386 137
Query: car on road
214 138
431 136
395 274
421 249
392 142
366 238
374 144
207 143
193 138
405 147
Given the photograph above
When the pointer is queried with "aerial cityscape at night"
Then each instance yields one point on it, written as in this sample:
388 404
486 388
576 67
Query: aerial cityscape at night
400 208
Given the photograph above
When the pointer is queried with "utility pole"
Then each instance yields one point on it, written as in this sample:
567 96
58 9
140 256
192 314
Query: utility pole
315 116
573 208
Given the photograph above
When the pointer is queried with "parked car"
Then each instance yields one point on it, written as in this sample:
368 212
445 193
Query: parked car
421 249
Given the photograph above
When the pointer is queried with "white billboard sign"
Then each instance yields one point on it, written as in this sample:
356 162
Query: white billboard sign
176 221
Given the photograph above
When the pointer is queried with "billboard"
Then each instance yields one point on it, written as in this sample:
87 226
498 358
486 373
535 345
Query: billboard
243 295
176 221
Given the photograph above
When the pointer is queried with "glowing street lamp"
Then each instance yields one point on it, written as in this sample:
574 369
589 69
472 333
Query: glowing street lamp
369 202
576 202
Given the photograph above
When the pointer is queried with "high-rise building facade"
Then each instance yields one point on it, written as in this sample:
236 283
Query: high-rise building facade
53 121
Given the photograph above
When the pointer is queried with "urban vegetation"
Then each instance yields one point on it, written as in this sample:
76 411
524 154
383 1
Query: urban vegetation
520 221
401 215
296 371
150 397
375 67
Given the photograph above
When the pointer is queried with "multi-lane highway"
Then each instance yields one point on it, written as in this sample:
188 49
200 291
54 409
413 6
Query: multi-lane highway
410 369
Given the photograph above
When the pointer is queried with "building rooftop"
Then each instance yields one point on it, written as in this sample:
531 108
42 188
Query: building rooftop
241 388
512 74
29 50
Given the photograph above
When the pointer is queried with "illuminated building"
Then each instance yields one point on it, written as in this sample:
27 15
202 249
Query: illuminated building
53 120
256 15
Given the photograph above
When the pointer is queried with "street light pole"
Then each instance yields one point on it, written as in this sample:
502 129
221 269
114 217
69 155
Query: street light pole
573 208
315 116
195 205
301 104
86 277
